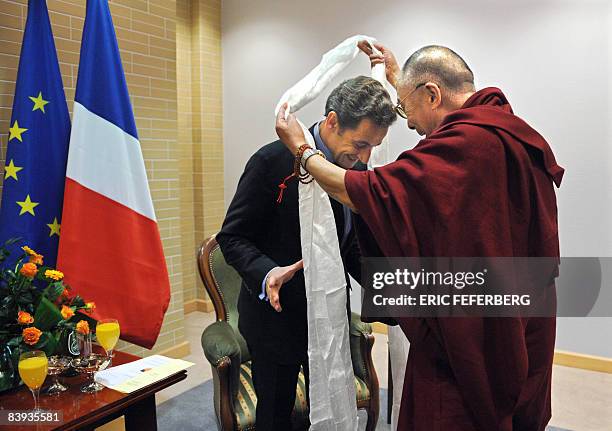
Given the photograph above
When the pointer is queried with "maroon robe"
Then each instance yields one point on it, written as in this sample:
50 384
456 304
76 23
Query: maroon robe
480 185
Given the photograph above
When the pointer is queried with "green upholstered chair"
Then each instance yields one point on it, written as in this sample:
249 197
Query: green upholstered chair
227 352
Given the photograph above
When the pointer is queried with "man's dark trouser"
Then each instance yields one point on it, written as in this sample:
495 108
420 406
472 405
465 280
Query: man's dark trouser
275 386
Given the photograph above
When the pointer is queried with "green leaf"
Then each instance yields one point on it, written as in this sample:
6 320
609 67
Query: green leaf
25 298
54 290
47 315
14 342
12 241
8 300
77 301
4 253
47 343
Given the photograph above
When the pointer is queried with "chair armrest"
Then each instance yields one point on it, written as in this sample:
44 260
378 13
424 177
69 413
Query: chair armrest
219 342
361 346
358 327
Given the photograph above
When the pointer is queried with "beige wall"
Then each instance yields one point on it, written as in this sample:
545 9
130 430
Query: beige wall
179 121
198 46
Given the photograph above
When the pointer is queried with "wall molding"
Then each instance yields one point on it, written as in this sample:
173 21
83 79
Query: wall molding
380 328
203 305
582 361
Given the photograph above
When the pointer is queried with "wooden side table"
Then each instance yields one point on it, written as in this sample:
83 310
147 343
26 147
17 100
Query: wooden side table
87 411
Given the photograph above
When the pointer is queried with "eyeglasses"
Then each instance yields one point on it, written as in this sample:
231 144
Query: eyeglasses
399 109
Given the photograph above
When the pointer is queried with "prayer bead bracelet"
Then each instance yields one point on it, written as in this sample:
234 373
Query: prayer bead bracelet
297 166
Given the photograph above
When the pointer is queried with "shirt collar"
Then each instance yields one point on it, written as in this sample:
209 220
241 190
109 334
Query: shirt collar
320 144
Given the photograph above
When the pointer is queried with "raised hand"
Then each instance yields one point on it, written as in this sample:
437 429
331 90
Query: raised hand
289 130
392 69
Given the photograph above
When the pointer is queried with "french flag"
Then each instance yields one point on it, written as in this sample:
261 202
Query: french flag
110 249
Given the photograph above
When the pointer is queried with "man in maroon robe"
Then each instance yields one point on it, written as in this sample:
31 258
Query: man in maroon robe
479 184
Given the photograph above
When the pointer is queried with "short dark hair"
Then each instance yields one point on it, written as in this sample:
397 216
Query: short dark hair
358 98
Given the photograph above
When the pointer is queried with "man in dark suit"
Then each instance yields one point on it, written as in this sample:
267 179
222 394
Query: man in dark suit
260 238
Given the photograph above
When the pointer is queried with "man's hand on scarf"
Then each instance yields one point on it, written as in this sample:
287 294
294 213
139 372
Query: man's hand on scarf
275 280
289 130
392 69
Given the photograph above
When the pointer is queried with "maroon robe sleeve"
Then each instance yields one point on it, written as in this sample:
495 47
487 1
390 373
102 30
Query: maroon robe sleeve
421 204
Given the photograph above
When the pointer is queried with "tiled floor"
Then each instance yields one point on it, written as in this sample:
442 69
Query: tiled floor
582 400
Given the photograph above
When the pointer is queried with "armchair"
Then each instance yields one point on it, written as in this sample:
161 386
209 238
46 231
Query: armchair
227 352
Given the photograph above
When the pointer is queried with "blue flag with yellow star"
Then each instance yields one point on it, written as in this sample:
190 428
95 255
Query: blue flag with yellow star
35 169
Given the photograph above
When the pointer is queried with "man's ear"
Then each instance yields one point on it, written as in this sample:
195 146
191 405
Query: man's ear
434 95
331 121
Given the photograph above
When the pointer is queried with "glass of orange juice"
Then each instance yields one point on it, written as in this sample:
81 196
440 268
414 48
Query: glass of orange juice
107 333
33 371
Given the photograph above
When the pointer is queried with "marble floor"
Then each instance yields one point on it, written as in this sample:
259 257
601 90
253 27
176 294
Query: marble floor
582 400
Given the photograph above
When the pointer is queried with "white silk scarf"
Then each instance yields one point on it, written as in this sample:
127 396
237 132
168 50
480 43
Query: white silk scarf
398 343
332 382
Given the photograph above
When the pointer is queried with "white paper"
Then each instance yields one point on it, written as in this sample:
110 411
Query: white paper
142 372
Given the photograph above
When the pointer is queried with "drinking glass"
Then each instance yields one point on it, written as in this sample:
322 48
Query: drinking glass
89 365
57 365
107 333
33 371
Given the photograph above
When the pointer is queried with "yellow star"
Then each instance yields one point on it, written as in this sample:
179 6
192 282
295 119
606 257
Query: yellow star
39 102
27 206
16 131
10 171
55 227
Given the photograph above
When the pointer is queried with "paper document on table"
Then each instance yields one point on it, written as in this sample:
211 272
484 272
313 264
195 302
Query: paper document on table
136 375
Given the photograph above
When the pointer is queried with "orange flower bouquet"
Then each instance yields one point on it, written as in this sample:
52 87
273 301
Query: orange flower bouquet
37 311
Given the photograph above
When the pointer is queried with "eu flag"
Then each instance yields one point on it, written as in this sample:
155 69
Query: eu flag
38 139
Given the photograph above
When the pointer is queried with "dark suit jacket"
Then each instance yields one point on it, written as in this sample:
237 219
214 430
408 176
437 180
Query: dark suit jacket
259 234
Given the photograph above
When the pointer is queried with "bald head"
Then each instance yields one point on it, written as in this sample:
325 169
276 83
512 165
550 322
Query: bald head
440 65
435 81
